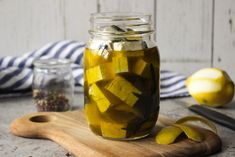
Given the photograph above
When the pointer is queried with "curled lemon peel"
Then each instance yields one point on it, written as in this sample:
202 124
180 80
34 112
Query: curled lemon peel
198 118
190 132
170 133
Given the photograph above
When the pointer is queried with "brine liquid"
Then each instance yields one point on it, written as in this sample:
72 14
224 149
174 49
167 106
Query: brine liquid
121 92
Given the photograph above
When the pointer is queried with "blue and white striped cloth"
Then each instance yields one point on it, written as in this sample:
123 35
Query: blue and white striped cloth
16 73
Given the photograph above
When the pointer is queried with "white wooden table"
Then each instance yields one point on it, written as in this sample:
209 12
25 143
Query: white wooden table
12 146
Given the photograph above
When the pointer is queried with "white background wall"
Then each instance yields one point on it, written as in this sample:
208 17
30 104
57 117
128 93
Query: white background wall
191 34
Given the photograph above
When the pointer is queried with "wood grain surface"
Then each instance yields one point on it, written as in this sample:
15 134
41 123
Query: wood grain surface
183 33
224 36
190 34
70 130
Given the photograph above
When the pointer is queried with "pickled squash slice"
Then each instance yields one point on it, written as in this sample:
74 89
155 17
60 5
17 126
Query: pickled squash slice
98 96
140 67
93 58
104 99
120 64
126 108
100 72
92 113
114 123
134 65
124 90
113 130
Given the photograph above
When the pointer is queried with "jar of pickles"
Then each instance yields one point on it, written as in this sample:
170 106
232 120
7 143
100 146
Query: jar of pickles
121 76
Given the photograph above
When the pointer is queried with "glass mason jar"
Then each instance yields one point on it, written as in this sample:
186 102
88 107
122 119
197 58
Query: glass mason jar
53 85
121 76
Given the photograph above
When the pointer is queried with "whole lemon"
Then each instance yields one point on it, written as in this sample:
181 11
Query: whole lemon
211 86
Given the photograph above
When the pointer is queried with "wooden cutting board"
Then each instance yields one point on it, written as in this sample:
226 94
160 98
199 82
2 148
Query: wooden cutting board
70 130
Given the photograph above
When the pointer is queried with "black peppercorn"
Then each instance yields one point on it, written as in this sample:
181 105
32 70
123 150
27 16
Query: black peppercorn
50 100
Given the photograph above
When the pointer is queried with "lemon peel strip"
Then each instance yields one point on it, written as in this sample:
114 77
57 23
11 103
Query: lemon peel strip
197 118
168 135
190 132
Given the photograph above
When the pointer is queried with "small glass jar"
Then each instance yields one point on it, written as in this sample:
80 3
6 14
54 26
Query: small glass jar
53 85
121 76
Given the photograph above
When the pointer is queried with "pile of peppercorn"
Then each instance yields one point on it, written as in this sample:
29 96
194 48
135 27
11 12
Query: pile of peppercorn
50 100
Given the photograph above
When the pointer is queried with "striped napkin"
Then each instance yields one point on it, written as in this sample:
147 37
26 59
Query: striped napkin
16 73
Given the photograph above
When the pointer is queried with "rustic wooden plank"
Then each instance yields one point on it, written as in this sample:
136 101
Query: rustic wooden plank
28 24
140 6
70 130
77 14
224 36
184 33
127 6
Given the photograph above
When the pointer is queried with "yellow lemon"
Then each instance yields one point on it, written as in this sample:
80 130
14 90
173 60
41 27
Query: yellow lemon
211 86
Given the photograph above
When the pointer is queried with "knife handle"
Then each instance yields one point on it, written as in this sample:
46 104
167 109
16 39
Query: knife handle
214 116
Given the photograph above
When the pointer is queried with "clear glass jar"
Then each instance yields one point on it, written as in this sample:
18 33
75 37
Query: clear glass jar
53 85
121 76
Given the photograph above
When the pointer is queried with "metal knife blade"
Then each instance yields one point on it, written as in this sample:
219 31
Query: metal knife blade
215 116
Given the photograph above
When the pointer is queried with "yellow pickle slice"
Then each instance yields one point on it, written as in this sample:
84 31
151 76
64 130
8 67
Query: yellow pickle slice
115 123
134 65
92 58
98 96
100 72
120 64
140 67
123 90
92 113
113 130
126 108
103 98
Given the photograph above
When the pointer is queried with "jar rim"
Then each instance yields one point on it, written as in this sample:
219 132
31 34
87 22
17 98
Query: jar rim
138 23
119 15
51 63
